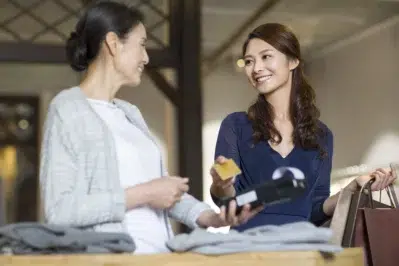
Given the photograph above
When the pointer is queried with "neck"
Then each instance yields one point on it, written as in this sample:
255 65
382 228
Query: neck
280 99
100 82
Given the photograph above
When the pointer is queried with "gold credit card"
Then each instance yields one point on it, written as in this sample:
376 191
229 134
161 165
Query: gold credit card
227 170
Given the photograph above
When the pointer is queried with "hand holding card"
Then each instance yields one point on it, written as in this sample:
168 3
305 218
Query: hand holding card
223 174
226 170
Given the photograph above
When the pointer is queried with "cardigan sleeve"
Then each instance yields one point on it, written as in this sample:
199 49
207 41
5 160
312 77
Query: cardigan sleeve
322 190
64 202
188 210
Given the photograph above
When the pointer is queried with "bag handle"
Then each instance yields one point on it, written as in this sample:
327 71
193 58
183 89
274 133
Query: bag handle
366 189
391 187
391 191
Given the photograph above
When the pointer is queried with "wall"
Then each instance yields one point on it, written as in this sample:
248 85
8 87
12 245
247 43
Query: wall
357 87
35 79
356 81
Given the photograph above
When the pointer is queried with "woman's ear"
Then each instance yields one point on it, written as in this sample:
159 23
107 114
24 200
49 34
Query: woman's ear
112 43
293 63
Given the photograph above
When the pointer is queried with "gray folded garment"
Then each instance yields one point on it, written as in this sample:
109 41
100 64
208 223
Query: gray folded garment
300 236
36 238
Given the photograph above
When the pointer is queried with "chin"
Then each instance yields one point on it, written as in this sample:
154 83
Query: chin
134 82
266 89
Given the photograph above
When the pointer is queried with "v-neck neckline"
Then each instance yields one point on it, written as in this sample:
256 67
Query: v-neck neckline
278 158
279 154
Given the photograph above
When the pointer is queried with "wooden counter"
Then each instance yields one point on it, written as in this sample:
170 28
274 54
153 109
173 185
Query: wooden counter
349 257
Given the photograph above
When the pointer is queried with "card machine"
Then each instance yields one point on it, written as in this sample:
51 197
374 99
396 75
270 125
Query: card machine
287 183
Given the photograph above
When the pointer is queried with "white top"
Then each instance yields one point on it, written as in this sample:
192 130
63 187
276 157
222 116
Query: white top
138 162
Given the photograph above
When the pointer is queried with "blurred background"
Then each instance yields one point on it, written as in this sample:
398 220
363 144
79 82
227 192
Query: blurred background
194 80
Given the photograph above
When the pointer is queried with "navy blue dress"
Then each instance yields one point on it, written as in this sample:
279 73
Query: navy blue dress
258 162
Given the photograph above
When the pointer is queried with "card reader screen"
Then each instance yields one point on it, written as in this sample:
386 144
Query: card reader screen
246 198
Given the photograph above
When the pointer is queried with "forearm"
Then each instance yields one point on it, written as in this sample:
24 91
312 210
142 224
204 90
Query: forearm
137 196
188 210
331 202
221 193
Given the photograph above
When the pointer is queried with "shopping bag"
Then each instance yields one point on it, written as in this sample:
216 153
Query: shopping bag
361 221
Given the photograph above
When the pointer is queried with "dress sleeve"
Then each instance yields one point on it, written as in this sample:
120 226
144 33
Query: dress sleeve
322 190
227 146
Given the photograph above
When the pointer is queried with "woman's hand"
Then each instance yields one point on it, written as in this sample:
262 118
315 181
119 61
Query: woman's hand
217 181
383 178
221 188
213 219
160 193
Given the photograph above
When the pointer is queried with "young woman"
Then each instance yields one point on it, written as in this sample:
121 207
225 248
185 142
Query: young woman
100 167
282 128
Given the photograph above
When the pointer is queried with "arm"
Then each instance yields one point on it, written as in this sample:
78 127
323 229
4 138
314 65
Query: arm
65 202
323 205
383 178
202 215
226 145
188 210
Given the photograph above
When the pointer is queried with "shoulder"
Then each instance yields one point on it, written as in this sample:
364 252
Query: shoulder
236 120
127 106
325 132
69 104
326 139
131 110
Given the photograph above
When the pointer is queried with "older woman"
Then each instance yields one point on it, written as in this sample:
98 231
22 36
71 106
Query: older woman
100 166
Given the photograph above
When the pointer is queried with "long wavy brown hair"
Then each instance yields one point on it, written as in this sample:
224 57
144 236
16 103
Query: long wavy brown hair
304 113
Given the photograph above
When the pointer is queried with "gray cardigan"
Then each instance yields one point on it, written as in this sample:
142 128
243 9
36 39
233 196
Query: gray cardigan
78 168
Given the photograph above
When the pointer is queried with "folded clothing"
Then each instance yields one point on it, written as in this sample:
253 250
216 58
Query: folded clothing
37 238
299 236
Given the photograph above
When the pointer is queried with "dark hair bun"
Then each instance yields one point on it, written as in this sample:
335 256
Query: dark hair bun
101 17
76 52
